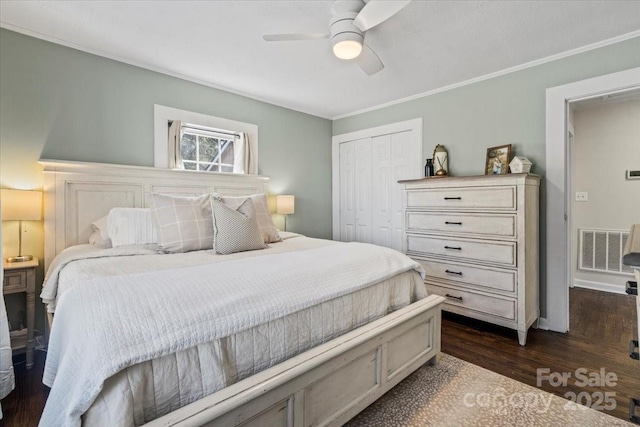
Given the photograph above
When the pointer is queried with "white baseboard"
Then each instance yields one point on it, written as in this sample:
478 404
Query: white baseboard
543 324
599 286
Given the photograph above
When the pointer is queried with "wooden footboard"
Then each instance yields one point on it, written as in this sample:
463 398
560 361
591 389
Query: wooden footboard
329 384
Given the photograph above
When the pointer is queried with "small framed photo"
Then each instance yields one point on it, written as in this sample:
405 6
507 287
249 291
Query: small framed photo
497 160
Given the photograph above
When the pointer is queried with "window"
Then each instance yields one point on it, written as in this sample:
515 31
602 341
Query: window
206 149
206 143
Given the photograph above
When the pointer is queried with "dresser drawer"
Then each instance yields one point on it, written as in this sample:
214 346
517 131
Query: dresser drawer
499 253
485 225
469 198
14 281
479 277
495 306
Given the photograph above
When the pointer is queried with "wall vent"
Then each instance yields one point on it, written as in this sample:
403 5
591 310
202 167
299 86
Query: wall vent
601 250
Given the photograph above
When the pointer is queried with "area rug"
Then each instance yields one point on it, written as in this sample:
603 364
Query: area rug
458 393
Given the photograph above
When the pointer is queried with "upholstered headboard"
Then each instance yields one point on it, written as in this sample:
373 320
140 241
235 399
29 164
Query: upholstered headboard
76 194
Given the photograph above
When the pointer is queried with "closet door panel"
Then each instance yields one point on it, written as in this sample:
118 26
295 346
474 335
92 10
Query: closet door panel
382 187
363 191
348 191
406 161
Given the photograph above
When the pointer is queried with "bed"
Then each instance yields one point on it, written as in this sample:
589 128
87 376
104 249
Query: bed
267 364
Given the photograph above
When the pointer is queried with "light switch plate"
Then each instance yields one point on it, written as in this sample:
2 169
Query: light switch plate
582 196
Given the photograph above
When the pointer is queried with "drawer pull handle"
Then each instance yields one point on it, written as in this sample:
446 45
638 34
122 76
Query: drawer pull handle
452 223
453 247
453 198
459 273
633 345
451 296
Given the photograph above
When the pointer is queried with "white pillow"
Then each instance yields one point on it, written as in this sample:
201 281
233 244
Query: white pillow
100 235
131 226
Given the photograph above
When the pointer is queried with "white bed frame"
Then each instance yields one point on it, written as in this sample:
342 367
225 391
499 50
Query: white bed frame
326 385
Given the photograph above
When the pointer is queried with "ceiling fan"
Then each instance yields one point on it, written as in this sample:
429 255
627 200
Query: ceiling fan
350 20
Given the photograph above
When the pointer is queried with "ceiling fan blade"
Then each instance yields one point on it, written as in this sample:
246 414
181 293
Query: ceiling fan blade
369 61
294 37
377 11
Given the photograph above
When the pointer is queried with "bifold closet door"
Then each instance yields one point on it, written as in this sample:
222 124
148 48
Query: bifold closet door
370 196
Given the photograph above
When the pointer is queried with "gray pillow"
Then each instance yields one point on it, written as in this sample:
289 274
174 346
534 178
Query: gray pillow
183 223
267 227
235 230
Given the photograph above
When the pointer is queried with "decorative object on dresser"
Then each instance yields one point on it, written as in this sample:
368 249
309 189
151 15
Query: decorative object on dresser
428 168
440 161
497 160
477 239
21 205
21 277
285 205
520 164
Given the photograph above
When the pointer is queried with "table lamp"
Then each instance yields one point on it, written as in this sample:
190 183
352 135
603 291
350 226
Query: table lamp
285 205
20 205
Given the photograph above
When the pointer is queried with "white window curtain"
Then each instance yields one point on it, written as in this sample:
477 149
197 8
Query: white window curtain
245 159
7 379
175 136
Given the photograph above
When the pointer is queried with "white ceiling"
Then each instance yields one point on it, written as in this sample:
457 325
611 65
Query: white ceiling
426 46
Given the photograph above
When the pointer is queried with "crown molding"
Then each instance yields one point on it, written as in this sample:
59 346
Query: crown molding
524 66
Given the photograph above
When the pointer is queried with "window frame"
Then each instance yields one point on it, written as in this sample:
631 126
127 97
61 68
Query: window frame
162 115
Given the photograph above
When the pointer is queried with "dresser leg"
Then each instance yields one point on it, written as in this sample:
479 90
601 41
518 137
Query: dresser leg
434 360
522 337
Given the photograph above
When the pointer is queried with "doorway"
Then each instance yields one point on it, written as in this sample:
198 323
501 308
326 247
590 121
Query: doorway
559 271
602 145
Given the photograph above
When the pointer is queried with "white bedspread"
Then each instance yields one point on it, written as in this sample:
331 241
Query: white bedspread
173 310
50 290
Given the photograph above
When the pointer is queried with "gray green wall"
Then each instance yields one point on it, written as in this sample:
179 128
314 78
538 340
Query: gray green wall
60 103
509 109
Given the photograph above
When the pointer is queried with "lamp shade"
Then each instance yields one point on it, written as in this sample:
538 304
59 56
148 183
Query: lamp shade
21 205
285 204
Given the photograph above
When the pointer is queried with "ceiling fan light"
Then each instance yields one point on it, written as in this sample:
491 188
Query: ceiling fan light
347 49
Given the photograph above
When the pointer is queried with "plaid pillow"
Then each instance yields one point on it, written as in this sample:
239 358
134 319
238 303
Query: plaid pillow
236 230
183 223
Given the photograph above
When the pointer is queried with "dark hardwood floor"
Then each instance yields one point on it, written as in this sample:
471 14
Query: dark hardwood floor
25 403
601 326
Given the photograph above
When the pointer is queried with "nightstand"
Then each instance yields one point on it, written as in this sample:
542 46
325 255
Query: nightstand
21 277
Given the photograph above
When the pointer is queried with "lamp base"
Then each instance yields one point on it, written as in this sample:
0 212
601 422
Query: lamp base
21 258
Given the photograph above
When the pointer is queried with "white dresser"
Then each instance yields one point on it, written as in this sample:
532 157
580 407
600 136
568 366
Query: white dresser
477 239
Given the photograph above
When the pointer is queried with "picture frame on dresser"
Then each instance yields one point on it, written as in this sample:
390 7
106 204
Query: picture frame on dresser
497 160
